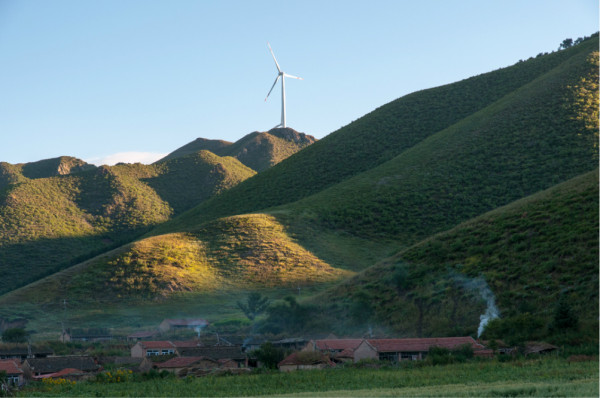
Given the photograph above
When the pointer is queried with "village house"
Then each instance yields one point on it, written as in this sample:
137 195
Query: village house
179 324
45 366
23 351
181 366
143 335
394 350
232 355
14 373
67 374
340 350
413 349
305 360
143 349
92 334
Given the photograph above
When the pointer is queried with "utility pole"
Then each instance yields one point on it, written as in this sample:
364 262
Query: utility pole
64 318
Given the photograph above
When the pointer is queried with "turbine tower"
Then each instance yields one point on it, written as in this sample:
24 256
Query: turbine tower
281 75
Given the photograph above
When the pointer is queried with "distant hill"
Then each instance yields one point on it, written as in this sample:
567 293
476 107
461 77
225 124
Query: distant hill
259 151
44 168
530 253
47 224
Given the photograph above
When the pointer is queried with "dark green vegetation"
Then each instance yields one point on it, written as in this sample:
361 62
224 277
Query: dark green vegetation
547 378
537 254
377 196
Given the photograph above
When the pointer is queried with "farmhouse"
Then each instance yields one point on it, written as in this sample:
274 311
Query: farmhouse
92 334
151 348
178 324
333 346
218 353
14 374
137 336
393 350
396 350
184 365
23 351
305 360
44 366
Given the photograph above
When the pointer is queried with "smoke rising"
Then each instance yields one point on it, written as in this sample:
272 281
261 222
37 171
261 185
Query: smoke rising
480 286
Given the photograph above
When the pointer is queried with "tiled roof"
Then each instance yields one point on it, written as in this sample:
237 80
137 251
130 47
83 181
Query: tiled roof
157 344
421 344
61 373
55 364
347 353
23 350
297 358
10 366
181 362
338 344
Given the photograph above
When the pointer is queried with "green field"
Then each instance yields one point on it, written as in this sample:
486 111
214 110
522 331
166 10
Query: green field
535 377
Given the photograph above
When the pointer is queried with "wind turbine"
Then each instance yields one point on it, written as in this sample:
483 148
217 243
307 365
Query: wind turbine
281 75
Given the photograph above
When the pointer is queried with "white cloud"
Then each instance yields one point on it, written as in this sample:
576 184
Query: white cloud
127 157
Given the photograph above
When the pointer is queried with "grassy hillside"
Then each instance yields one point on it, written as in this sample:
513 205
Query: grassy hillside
376 138
530 254
221 261
47 224
259 151
13 173
529 140
199 144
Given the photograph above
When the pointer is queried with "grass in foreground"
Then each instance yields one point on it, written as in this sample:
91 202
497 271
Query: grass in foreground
537 377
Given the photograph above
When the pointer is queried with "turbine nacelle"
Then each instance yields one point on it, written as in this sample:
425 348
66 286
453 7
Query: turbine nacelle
281 74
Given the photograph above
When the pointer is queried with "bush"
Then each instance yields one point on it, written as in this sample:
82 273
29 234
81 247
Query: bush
14 335
269 355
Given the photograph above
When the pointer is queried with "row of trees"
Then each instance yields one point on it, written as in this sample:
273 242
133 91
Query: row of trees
566 43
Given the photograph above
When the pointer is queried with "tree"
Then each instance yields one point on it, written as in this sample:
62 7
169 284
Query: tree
566 43
269 355
564 317
255 305
14 335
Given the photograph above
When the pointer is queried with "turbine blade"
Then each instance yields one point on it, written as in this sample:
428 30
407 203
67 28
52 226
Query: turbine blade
277 78
274 59
293 77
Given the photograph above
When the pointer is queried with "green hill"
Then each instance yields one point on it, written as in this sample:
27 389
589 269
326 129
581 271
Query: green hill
376 138
10 174
529 140
259 151
230 254
47 224
530 253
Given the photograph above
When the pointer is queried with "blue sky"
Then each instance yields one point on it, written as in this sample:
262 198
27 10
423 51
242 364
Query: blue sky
128 80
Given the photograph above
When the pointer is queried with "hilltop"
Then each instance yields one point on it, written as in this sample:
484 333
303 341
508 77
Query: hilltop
257 150
10 174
